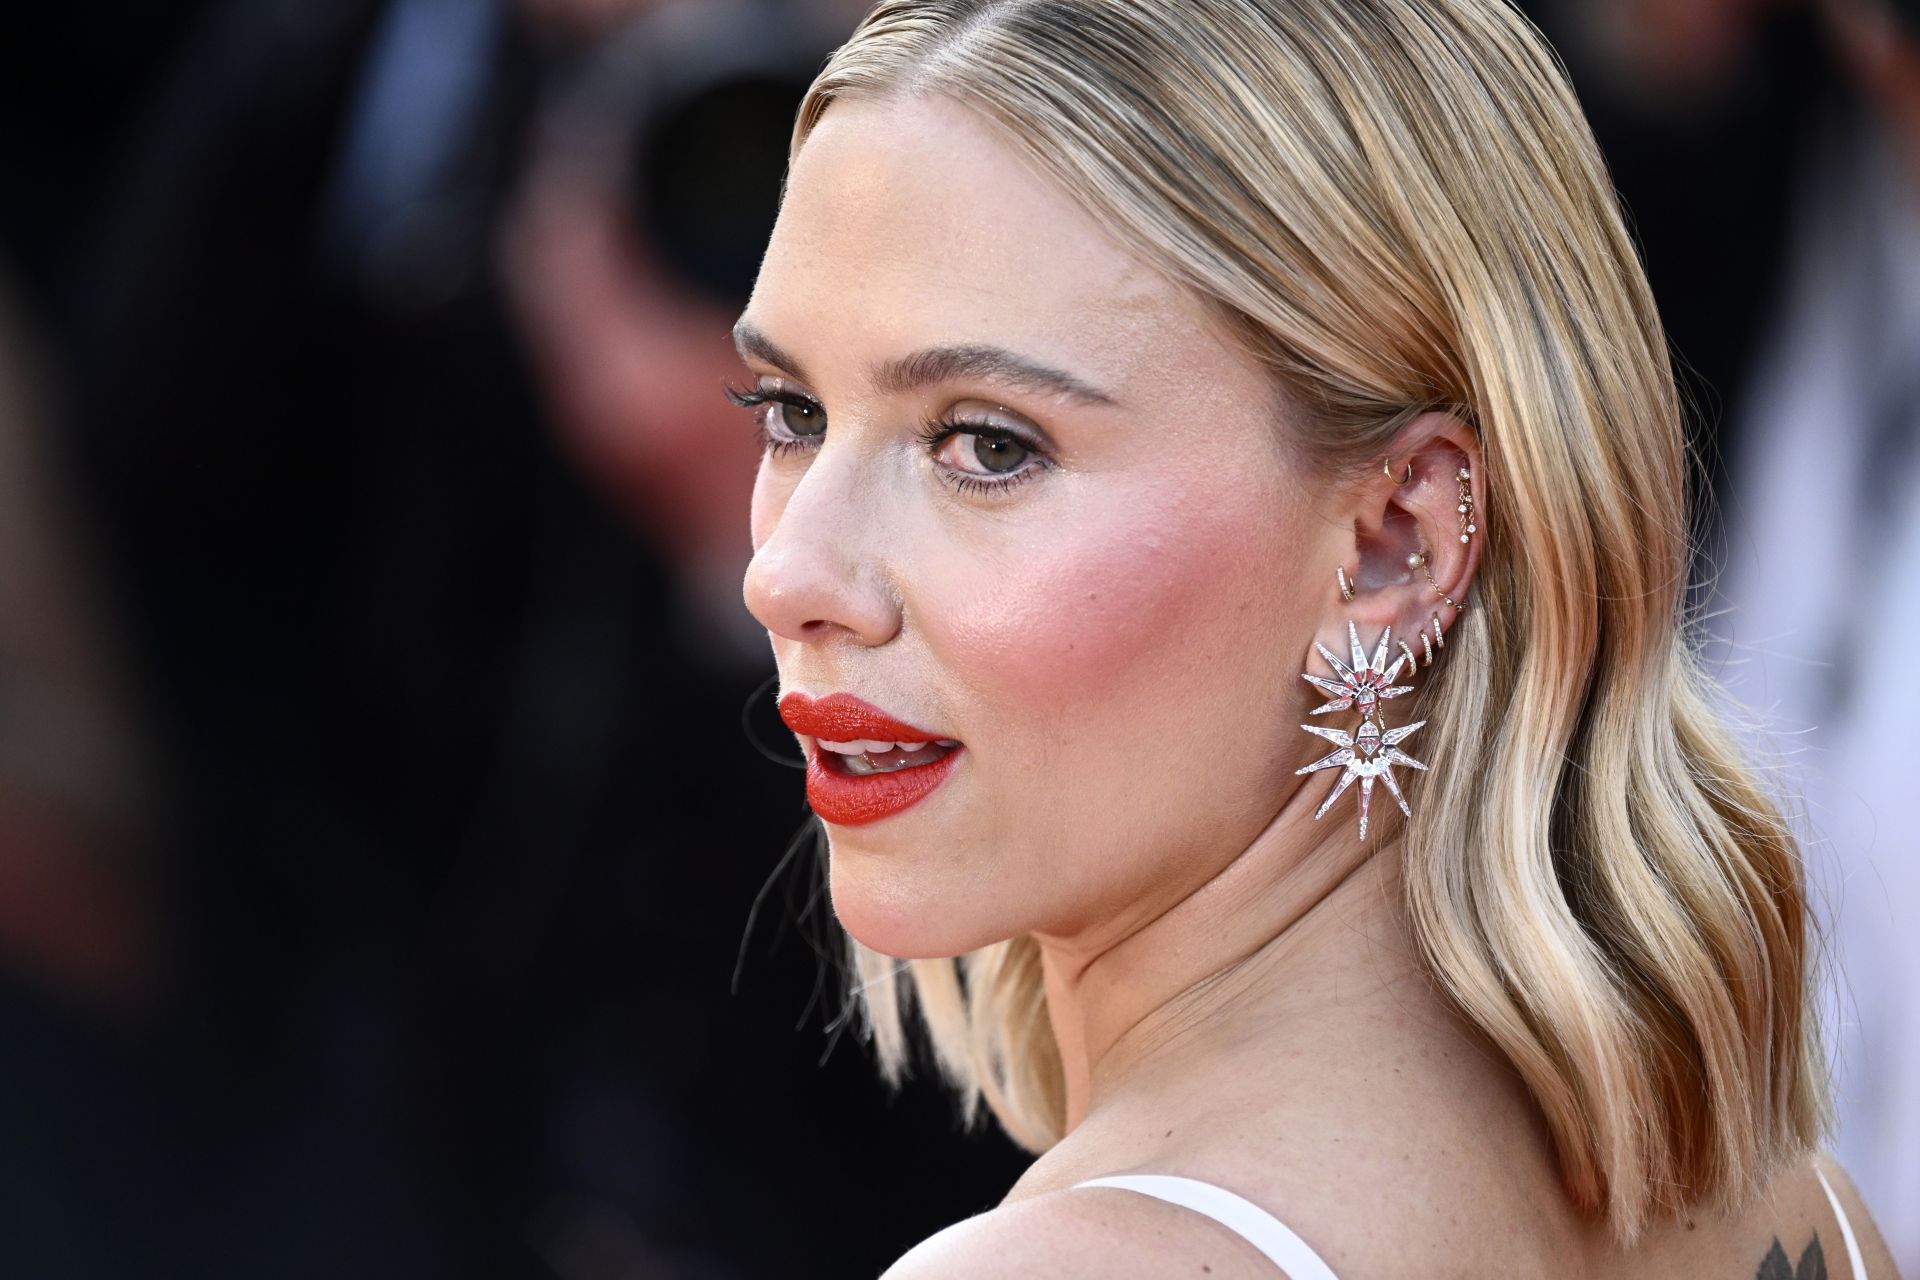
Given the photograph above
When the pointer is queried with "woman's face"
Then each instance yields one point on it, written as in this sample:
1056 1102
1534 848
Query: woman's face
1107 599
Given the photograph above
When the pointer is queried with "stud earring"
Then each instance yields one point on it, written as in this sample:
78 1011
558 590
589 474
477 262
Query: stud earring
1370 750
1418 560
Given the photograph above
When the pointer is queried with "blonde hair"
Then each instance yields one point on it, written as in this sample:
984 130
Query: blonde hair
1397 205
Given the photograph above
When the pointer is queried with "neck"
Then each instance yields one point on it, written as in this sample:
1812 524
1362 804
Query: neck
1261 935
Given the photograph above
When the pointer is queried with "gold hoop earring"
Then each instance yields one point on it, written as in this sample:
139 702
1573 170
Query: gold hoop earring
1346 587
1386 467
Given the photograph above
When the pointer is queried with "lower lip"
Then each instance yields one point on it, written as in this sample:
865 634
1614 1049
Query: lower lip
849 801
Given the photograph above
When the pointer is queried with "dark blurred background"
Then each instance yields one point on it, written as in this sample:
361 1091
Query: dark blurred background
399 875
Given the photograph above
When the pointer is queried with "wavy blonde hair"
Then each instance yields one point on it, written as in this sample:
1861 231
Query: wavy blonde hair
1397 205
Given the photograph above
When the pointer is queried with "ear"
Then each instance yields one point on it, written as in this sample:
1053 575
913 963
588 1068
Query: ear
1421 516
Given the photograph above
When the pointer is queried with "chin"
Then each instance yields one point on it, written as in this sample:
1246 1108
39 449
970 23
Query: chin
898 914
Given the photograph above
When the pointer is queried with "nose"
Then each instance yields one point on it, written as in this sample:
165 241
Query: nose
819 574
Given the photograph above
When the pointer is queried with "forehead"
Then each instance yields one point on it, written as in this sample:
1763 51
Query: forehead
908 221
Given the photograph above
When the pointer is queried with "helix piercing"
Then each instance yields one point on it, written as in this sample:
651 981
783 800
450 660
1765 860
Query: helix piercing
1465 505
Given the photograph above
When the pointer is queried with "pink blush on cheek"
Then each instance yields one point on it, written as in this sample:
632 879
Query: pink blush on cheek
1108 610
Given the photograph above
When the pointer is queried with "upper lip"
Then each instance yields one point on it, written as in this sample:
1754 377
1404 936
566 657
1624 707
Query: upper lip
841 717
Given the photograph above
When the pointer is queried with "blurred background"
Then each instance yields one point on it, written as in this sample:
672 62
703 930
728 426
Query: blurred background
402 871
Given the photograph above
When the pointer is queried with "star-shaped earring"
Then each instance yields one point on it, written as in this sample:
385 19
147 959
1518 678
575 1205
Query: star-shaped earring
1364 683
1370 751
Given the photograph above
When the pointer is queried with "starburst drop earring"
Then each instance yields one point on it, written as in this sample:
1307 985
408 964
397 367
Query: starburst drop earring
1370 750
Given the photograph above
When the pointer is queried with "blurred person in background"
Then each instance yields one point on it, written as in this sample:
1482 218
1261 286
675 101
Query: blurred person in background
1829 466
648 191
1769 151
79 787
429 969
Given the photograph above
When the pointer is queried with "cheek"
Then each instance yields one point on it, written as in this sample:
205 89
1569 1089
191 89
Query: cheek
1120 612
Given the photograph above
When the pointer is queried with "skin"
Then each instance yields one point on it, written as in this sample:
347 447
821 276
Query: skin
1118 640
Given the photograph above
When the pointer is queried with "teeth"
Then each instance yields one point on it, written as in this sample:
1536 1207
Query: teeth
868 746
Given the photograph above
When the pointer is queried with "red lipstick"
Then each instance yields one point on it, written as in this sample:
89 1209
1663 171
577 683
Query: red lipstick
848 799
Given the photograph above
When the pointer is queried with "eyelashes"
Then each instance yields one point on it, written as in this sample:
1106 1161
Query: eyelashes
932 434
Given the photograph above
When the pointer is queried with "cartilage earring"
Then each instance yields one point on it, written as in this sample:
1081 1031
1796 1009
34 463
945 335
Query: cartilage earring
1370 750
1465 505
1346 587
1418 560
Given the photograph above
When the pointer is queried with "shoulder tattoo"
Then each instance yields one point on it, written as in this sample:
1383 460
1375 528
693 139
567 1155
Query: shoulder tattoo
1813 1263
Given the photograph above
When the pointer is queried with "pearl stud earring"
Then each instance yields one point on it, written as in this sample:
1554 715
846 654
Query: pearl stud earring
1418 560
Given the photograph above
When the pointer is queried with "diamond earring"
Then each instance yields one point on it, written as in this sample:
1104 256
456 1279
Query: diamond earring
1370 750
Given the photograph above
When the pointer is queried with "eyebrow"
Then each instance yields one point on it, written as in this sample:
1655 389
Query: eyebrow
940 364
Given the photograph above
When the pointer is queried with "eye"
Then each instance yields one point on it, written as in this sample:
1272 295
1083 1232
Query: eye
789 420
972 457
981 457
982 451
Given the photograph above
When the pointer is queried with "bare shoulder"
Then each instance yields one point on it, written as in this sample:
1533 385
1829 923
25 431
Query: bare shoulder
1436 1183
1788 1230
1366 1209
1090 1231
1810 1220
1878 1259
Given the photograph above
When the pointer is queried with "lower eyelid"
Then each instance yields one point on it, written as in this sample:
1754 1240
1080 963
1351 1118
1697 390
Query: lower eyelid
970 482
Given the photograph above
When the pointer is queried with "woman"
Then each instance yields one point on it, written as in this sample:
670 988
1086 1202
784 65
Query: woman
1121 363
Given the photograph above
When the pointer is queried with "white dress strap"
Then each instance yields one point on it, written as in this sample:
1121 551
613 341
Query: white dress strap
1236 1213
1855 1262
